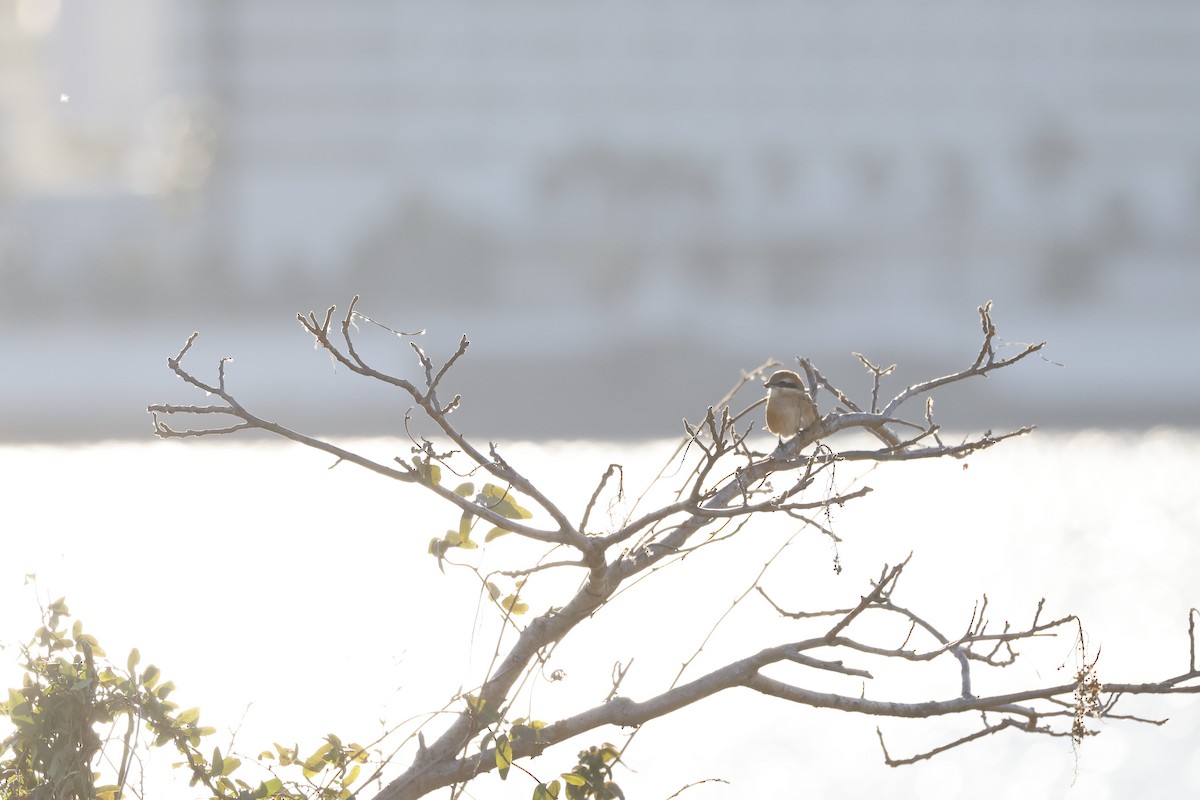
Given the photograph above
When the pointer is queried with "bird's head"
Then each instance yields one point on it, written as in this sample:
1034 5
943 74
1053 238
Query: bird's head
785 379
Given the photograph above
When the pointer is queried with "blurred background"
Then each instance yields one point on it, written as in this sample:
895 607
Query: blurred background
623 204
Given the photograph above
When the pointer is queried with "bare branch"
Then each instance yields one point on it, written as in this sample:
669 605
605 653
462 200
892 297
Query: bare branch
877 373
985 362
1192 614
988 730
612 469
718 485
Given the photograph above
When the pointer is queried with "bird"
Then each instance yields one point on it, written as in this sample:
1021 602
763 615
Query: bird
790 409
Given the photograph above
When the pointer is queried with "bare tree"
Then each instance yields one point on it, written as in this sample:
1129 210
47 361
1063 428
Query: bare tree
720 486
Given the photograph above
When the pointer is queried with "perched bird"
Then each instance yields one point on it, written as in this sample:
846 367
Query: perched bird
790 409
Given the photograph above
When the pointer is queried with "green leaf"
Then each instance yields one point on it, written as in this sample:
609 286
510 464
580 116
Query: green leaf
15 698
188 717
465 489
21 714
223 765
484 713
134 657
504 756
548 791
574 779
352 775
503 502
150 676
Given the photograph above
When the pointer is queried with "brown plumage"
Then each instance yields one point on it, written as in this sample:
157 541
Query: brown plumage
790 409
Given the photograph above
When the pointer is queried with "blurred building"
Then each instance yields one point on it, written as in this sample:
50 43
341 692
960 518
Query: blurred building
700 167
755 150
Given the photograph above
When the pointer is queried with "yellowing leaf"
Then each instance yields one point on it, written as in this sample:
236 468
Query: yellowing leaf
87 638
287 755
514 605
316 762
429 473
504 756
465 489
503 502
495 533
